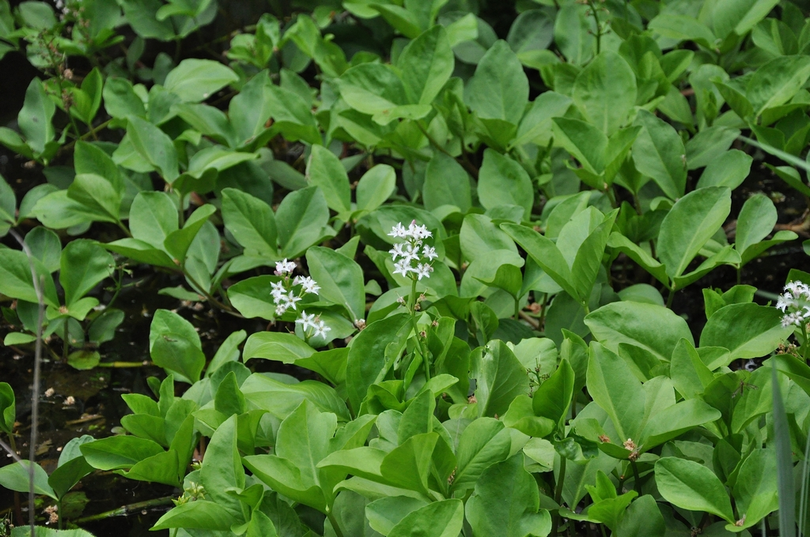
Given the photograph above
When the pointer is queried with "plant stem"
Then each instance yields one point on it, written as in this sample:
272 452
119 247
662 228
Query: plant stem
670 298
334 523
555 522
598 34
805 343
126 509
636 482
412 311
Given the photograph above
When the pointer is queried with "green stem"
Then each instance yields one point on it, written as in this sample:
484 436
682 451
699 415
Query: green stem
598 28
412 312
125 510
670 298
517 309
555 522
636 482
805 343
335 526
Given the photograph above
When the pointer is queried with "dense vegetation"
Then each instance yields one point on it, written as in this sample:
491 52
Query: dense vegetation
501 252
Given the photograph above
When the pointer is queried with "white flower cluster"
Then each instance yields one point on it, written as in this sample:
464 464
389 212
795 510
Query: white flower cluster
286 298
795 304
415 258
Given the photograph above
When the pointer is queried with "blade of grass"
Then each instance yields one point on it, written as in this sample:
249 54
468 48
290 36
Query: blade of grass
784 463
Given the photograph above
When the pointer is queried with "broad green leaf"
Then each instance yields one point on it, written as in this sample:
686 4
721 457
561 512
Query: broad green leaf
409 464
301 220
502 181
195 80
340 278
746 330
386 512
500 378
642 518
175 345
46 246
154 146
587 261
499 89
614 387
545 253
483 443
281 398
177 243
15 476
72 466
100 196
437 519
689 225
584 141
325 170
755 221
659 153
375 187
251 221
506 502
349 512
426 64
605 92
201 515
776 82
35 117
689 374
690 485
367 355
755 489
141 252
573 34
535 124
277 346
120 99
675 420
649 326
84 265
8 408
446 183
682 28
8 207
119 452
371 88
479 236
553 398
730 169
708 145
16 278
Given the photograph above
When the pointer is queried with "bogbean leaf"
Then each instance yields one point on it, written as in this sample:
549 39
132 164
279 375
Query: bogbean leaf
84 265
16 280
690 485
372 87
340 278
605 92
643 517
154 146
437 519
654 328
8 408
99 196
659 152
35 117
251 221
553 398
689 225
195 80
375 187
16 476
502 181
776 82
746 330
325 170
483 443
175 345
617 391
755 221
584 141
177 243
446 183
202 515
506 502
706 146
281 398
301 219
426 64
286 348
500 378
729 169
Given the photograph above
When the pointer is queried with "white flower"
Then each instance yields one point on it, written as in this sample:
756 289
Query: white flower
291 299
403 267
321 329
284 267
411 252
281 309
308 284
397 251
423 270
418 232
429 252
398 231
306 320
277 290
794 302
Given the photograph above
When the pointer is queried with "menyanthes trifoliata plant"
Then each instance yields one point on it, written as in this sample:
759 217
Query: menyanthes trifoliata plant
285 297
794 302
412 258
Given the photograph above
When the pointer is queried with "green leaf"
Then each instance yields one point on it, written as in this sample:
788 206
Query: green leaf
730 169
437 519
659 152
386 512
175 345
506 502
35 117
72 466
200 514
605 92
195 80
500 377
746 330
499 89
502 181
483 443
152 217
545 253
689 225
642 518
98 196
8 408
16 279
375 187
553 398
675 420
649 326
371 88
690 485
426 64
776 82
585 142
682 28
408 465
278 346
177 243
301 220
708 145
8 207
84 265
15 476
755 221
614 387
446 183
340 278
120 99
119 452
154 146
367 355
281 398
251 221
325 170
755 489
